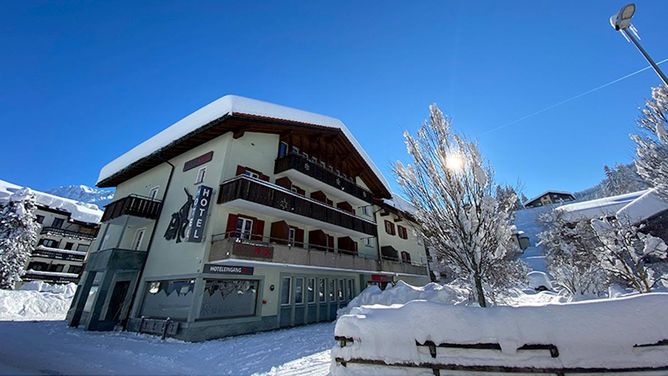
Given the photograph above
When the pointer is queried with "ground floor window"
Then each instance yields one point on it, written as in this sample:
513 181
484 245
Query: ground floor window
227 298
92 293
321 290
285 291
299 290
172 298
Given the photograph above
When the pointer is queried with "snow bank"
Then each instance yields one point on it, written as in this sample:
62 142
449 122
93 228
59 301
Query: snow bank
598 333
403 293
80 211
230 104
36 301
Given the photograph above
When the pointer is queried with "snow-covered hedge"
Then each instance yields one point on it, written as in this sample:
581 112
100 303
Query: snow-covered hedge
599 333
403 293
36 301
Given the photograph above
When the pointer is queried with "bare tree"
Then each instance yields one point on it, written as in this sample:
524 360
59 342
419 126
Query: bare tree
652 143
628 255
457 211
570 259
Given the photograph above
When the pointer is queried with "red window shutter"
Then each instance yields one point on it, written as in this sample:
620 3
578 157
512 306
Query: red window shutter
258 229
264 177
330 243
231 225
240 170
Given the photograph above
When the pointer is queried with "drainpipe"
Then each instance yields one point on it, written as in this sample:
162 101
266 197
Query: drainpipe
150 243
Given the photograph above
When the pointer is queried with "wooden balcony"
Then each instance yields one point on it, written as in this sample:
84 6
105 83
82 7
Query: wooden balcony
316 171
280 251
133 205
274 196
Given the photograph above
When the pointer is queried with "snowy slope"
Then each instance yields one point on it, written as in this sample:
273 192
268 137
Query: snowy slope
84 193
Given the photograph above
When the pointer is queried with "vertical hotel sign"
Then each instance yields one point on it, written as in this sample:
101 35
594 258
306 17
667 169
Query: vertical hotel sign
199 214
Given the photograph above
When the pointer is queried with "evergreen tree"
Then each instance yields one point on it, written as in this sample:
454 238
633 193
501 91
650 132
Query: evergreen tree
466 224
18 235
622 179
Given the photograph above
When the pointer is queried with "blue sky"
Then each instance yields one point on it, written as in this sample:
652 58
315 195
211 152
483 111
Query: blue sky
83 82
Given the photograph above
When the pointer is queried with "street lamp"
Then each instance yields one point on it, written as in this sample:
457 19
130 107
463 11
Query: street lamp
622 23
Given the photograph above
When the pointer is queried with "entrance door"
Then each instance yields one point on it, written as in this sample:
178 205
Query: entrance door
116 301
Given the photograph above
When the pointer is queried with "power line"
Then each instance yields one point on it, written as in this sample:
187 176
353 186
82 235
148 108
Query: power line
569 99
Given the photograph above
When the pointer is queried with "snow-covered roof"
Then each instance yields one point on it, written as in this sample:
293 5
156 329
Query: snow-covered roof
643 207
230 105
547 192
79 211
602 207
400 203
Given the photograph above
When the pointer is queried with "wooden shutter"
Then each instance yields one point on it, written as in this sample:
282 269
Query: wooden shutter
258 229
240 170
279 232
231 225
299 237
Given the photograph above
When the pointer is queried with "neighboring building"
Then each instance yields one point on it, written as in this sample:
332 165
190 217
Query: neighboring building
244 216
68 228
644 208
549 197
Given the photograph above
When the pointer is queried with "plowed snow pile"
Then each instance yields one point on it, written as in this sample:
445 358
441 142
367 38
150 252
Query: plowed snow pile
36 301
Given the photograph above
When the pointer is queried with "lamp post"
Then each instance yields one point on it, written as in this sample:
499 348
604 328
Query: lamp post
622 22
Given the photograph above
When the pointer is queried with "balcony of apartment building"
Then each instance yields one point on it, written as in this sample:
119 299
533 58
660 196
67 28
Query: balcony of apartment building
133 206
81 234
256 195
392 260
54 253
312 172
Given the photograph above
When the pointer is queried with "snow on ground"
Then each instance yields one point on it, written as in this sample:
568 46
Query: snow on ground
36 301
63 350
600 333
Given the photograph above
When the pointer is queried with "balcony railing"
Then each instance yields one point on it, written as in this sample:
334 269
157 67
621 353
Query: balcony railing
316 171
284 251
58 255
134 205
253 190
67 233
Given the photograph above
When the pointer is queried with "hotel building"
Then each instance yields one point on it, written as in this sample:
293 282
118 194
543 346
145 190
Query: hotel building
244 216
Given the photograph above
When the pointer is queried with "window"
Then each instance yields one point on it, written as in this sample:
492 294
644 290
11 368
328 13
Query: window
69 245
367 242
244 228
321 290
226 298
291 235
82 247
306 156
57 223
351 289
74 269
252 174
366 210
299 290
285 291
310 291
40 219
139 237
402 232
153 193
295 150
340 290
200 175
169 298
282 149
389 227
88 306
405 257
49 243
332 287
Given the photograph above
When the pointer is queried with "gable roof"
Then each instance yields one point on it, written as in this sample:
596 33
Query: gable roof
148 154
548 192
